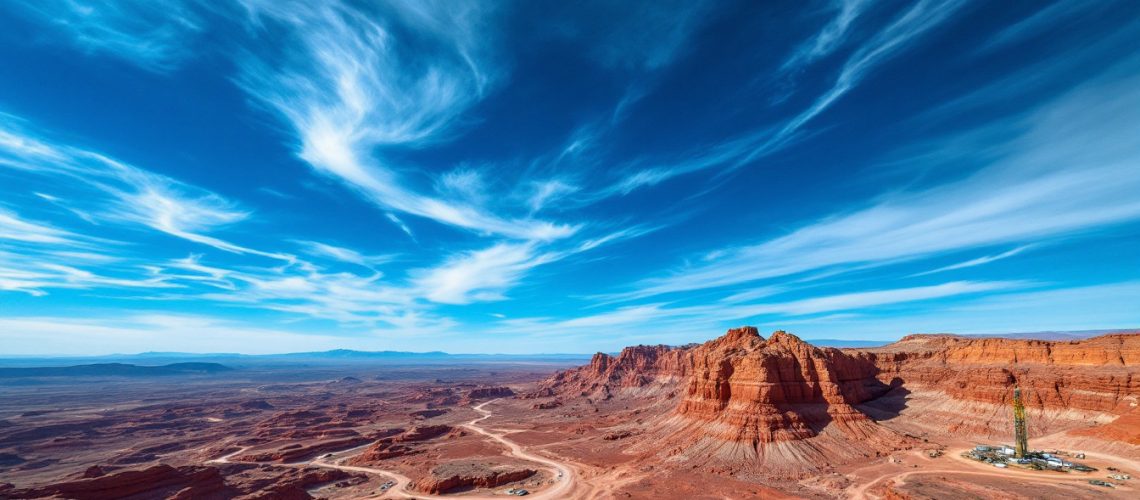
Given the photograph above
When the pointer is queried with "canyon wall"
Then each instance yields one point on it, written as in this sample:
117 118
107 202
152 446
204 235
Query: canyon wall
781 401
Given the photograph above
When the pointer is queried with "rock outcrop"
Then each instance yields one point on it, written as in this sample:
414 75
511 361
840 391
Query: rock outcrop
397 443
1094 374
780 389
637 367
489 393
781 403
160 481
455 476
294 453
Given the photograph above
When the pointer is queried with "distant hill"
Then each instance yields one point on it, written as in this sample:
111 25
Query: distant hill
1077 335
334 357
847 343
1052 335
1044 335
115 370
349 354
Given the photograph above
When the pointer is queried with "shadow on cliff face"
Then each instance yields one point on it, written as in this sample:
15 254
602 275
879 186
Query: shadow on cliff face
890 404
816 417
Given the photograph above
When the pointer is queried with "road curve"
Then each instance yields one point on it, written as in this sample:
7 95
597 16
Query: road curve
564 479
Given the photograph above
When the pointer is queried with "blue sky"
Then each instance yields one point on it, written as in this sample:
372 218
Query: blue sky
274 176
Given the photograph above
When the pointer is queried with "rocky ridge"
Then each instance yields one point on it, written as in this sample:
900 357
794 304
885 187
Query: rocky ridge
782 403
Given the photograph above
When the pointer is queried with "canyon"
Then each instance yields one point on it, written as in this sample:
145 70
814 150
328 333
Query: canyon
739 416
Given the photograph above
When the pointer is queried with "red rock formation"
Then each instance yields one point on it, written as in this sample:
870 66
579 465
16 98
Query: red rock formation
779 401
160 481
93 471
489 392
426 414
423 433
391 446
382 450
548 405
293 453
781 389
1094 374
1125 429
740 393
614 436
450 477
635 367
293 484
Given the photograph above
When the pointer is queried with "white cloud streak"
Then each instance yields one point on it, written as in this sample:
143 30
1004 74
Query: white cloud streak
663 317
1072 169
342 254
13 227
830 37
904 32
130 194
152 34
976 262
480 275
351 93
139 332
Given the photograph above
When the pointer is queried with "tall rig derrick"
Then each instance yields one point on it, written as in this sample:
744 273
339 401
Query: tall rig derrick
1020 435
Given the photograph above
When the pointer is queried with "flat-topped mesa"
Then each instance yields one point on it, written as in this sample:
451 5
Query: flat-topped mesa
1122 349
1095 374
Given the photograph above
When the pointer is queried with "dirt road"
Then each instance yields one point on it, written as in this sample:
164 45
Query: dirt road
970 468
564 477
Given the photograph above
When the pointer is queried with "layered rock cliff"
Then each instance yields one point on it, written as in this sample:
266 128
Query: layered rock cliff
634 368
781 402
778 402
1096 374
964 385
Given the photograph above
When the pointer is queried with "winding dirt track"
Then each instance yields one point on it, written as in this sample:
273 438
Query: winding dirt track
969 468
564 477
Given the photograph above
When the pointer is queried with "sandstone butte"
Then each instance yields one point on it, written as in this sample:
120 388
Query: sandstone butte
783 404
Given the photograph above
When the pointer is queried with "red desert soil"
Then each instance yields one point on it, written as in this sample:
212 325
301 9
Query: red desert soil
739 416
819 421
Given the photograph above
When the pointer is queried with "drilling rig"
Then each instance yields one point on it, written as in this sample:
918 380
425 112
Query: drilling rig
1020 435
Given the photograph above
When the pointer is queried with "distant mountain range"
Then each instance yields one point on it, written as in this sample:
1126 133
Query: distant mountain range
115 370
337 356
342 356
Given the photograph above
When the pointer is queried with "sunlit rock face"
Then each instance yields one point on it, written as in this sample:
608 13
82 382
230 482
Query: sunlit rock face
780 402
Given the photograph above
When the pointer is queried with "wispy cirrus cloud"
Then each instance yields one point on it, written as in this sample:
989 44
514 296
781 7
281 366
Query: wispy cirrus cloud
351 92
152 34
480 275
342 254
1039 23
134 331
830 37
35 270
126 193
127 196
662 317
13 227
903 33
978 261
1071 169
1094 306
640 35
